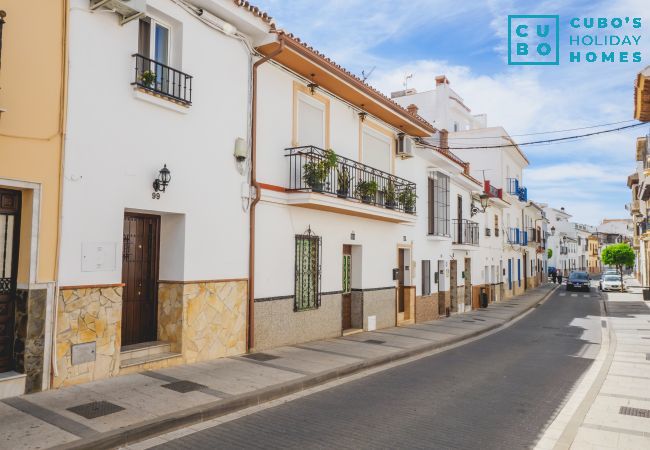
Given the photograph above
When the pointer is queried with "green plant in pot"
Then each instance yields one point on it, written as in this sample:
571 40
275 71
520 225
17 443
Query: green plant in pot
367 190
389 195
315 171
407 199
343 182
148 78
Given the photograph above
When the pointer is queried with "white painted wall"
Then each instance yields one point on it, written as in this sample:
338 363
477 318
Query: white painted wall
116 144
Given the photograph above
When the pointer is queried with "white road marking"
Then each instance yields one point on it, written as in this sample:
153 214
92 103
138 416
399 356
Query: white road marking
574 295
562 294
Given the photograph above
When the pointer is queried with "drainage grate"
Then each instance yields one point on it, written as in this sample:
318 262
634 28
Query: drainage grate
184 386
95 409
468 321
374 341
636 412
603 323
261 357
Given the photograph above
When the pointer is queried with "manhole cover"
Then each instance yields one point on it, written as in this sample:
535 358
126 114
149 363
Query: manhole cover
95 409
261 356
636 412
374 341
603 323
184 386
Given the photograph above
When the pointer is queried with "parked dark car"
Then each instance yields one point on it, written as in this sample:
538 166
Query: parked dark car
551 271
578 280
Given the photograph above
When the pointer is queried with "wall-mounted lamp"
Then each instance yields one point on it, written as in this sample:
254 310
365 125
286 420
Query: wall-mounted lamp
552 231
164 177
352 236
485 200
362 116
404 238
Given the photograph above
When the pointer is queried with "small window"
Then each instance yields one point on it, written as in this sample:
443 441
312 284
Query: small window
426 277
307 283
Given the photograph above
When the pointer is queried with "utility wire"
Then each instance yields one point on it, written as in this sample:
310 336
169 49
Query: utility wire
551 132
545 141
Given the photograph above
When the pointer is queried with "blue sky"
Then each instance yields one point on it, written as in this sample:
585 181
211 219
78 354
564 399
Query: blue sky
467 41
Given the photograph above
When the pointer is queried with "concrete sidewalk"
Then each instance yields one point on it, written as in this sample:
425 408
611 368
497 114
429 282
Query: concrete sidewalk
610 407
129 408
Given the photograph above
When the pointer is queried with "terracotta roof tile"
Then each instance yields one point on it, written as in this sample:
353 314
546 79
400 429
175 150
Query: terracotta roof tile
266 18
255 10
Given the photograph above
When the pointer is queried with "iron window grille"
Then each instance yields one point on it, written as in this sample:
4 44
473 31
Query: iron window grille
347 271
307 271
162 79
488 232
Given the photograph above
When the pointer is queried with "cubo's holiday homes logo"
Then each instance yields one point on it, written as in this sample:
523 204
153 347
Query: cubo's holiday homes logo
535 40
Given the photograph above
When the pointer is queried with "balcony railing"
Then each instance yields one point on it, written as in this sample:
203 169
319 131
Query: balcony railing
514 188
162 79
514 236
348 179
492 191
464 232
564 250
534 237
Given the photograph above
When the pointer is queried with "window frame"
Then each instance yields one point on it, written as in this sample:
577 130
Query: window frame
439 185
302 276
426 277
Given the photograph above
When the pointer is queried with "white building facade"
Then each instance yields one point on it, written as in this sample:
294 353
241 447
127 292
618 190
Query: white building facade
162 93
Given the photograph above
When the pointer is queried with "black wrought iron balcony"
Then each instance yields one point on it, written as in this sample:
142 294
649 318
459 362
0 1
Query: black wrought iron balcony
312 169
162 79
464 232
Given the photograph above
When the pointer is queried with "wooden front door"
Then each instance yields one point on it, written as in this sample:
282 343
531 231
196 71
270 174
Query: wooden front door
346 313
140 277
9 233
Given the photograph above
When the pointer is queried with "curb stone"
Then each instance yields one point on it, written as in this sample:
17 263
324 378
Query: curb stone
170 422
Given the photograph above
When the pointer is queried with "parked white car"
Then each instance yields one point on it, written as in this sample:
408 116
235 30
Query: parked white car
610 282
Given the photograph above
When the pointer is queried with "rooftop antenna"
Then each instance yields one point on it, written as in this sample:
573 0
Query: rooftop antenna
406 80
365 76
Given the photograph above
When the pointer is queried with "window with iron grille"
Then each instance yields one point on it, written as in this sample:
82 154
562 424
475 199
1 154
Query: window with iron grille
439 204
426 277
347 271
308 268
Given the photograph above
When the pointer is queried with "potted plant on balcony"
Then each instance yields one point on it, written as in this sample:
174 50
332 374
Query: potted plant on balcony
148 77
315 171
407 199
389 195
367 190
343 182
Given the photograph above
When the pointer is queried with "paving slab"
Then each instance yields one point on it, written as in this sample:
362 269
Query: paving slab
227 385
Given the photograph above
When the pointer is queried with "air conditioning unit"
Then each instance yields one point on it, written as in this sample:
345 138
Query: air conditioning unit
405 146
128 10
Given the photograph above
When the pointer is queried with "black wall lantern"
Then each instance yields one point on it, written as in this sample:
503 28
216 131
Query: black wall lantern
164 177
485 199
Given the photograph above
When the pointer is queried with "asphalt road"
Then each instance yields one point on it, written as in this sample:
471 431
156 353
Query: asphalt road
498 392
